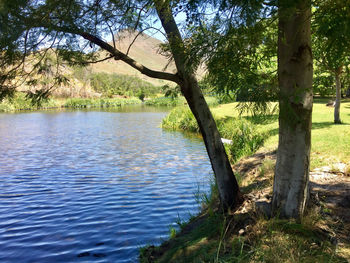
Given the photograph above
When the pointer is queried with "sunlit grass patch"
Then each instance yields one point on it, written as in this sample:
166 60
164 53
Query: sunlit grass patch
20 102
330 142
99 102
245 138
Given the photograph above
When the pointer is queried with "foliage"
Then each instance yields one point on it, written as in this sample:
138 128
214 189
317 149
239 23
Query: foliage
331 46
332 34
171 92
19 101
165 101
249 61
114 84
99 103
180 118
245 138
323 83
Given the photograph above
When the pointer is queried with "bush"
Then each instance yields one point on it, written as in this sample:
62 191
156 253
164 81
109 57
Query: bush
245 138
180 118
99 103
165 101
244 135
116 84
20 102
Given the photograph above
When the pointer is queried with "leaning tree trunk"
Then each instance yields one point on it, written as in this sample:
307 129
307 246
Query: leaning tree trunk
295 69
338 96
229 192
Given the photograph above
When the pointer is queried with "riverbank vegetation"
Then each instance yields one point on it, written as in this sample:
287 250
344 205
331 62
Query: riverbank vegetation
20 102
109 85
247 235
245 139
329 142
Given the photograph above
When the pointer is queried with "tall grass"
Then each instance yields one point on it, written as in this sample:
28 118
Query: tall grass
165 101
246 139
20 102
99 103
180 118
179 101
244 135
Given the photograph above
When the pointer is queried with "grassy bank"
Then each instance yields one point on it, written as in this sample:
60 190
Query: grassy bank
245 138
166 102
330 142
20 102
246 235
99 103
178 101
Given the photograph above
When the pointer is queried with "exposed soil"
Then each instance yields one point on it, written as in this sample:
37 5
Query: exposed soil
329 188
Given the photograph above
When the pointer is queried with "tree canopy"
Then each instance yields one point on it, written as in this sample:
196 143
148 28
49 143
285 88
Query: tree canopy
241 41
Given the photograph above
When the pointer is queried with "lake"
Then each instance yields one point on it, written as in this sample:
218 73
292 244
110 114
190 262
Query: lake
94 186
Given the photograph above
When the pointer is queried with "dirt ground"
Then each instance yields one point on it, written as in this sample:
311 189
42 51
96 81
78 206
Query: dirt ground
329 188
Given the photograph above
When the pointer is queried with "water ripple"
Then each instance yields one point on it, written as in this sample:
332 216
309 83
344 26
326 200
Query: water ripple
93 186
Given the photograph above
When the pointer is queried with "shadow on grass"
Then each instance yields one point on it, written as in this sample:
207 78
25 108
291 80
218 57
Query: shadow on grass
264 119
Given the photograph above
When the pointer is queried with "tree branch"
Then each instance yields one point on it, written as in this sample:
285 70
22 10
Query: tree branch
128 60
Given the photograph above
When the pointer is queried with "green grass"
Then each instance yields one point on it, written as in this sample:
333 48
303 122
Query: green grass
99 103
212 236
179 101
164 101
245 138
330 142
20 102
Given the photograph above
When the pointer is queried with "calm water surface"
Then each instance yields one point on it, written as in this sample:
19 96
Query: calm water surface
93 186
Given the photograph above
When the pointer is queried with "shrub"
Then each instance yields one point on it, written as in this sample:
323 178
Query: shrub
20 102
244 135
99 103
180 118
117 84
165 101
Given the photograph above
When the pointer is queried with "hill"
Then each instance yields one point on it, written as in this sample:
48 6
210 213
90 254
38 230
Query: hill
144 50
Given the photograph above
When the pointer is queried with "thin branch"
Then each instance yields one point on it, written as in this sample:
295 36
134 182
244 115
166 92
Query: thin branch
111 31
131 62
133 41
139 16
97 61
